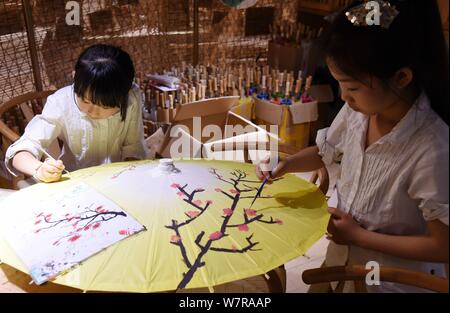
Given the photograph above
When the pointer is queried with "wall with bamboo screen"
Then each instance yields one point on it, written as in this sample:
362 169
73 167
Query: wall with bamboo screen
157 33
15 63
228 35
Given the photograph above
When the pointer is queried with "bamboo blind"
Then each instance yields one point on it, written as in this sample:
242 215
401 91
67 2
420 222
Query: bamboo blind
157 34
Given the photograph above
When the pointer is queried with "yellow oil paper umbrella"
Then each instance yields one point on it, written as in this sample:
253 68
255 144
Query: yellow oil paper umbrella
200 230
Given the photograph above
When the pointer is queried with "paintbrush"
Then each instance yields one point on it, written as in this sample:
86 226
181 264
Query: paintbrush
49 156
46 153
258 193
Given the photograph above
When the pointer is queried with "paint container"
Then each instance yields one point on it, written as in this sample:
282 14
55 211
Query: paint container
166 166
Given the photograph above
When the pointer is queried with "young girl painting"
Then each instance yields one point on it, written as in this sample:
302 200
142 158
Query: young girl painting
97 119
390 140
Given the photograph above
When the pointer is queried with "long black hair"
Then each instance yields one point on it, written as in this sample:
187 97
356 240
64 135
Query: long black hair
106 74
415 39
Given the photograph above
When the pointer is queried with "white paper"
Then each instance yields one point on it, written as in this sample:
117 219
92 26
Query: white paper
52 236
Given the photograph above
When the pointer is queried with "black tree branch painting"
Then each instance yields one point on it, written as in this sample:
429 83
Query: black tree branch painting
241 188
87 219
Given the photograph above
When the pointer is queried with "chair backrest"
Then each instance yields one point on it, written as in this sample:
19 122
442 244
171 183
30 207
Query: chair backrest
16 113
358 273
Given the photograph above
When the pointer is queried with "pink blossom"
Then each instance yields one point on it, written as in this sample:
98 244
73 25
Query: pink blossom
74 238
234 248
218 190
216 235
279 222
175 185
197 202
234 191
37 222
180 194
227 212
250 212
192 214
243 227
209 202
175 238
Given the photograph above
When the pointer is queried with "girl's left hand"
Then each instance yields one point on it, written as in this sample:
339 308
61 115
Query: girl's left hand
342 228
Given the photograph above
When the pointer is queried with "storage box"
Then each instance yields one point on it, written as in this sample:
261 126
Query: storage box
205 128
293 121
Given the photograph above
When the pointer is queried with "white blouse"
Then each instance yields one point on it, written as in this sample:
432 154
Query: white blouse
86 142
394 186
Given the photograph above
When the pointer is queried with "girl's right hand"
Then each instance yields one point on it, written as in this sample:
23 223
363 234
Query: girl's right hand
50 171
262 172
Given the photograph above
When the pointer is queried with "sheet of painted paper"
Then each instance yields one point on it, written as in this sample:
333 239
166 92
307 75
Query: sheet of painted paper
52 236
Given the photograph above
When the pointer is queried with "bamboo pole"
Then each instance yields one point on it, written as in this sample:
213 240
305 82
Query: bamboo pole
32 44
196 34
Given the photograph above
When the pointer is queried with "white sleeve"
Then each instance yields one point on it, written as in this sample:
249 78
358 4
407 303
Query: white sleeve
331 140
134 144
42 130
429 185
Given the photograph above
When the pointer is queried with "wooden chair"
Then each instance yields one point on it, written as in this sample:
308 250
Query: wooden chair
357 273
15 115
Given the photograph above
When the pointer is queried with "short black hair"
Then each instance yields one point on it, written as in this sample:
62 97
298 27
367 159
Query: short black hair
105 72
415 39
